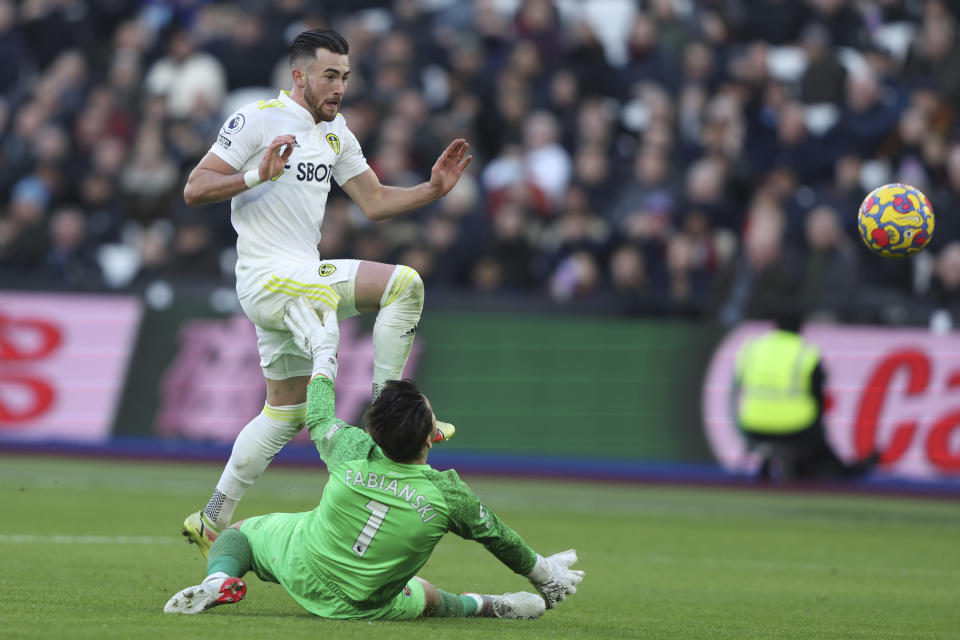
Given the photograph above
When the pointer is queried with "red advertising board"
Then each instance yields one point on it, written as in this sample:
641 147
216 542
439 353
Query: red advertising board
63 362
894 390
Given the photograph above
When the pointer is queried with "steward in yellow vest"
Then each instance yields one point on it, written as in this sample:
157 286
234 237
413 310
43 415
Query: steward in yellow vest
778 404
778 393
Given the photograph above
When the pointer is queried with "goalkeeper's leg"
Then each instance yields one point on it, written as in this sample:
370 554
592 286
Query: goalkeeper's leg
230 558
442 604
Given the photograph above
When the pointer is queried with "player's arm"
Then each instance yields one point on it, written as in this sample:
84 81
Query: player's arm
215 180
471 519
320 338
379 202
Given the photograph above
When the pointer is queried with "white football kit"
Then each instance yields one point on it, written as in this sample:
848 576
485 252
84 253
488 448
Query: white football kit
278 222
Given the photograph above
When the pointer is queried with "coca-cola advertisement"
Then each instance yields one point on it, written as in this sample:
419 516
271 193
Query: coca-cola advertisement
896 391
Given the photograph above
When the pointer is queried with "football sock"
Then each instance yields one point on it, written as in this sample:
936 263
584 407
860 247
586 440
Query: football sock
255 447
454 606
218 575
396 325
230 553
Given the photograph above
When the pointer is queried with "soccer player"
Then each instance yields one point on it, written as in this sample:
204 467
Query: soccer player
382 512
275 159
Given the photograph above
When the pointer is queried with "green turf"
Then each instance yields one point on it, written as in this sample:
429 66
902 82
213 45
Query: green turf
660 562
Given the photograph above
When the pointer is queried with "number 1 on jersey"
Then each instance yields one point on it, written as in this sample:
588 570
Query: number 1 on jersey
378 511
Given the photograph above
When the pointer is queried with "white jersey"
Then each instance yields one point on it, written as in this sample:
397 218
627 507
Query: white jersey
279 220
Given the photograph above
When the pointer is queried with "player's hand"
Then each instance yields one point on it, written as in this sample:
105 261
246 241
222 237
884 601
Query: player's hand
316 336
449 166
276 156
553 577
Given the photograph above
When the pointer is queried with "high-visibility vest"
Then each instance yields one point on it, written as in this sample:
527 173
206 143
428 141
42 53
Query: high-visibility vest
775 372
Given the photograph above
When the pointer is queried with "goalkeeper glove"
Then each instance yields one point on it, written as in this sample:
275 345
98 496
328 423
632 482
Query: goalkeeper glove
317 337
553 577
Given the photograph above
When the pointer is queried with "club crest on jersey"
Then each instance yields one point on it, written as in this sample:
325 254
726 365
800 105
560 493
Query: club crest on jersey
326 269
334 142
234 124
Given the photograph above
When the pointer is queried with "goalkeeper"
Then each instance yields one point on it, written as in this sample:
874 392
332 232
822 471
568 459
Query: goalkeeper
382 512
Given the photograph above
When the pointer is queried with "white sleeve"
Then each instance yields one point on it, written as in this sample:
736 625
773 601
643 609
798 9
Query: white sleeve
350 161
239 138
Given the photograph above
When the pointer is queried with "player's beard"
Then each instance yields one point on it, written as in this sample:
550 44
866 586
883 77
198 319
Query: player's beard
316 105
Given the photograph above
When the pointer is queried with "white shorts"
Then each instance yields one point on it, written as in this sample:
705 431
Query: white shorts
329 284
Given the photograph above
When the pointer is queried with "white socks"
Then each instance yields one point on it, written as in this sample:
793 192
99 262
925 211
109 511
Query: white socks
214 577
396 325
255 447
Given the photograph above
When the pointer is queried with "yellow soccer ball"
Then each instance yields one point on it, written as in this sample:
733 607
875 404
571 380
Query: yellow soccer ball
896 221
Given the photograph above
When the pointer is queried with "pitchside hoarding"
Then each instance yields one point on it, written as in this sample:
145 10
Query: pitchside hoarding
894 390
84 368
63 360
213 385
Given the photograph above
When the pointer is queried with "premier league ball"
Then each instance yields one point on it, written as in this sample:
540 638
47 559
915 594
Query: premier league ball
895 221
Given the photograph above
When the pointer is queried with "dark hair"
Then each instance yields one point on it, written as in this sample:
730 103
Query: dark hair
306 44
781 309
399 420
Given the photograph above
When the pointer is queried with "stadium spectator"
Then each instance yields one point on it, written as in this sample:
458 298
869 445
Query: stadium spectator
13 49
330 575
841 19
824 78
797 149
943 298
508 253
650 189
150 179
649 61
690 261
189 80
935 57
705 190
844 192
766 268
627 273
720 99
869 115
69 260
248 51
828 288
26 236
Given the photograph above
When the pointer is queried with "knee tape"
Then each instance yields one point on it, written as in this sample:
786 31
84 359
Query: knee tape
404 292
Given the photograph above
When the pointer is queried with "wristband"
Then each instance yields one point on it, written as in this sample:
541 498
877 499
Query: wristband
325 364
252 178
540 572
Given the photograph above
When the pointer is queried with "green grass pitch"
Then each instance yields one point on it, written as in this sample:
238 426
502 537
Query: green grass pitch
90 549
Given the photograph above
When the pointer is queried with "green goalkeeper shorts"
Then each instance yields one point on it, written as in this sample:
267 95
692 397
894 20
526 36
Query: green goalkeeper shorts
278 557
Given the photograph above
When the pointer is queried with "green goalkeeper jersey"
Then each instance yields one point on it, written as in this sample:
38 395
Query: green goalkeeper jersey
379 520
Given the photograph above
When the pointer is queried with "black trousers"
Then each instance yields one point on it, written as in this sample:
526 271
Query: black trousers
804 455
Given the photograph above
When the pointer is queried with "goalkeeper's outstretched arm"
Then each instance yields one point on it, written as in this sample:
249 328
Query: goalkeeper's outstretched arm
319 337
470 519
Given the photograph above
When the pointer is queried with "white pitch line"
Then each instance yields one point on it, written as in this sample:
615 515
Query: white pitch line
775 565
60 539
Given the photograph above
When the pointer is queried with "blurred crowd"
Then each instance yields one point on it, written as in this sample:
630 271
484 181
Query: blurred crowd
648 156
